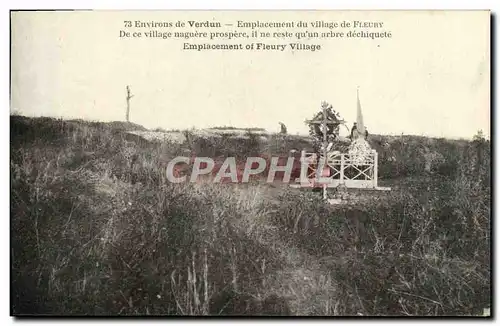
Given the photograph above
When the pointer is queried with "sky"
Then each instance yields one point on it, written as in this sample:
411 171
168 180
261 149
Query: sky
432 77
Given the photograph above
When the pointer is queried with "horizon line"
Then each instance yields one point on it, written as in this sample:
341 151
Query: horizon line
215 128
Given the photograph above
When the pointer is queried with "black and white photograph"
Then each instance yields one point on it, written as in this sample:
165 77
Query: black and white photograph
306 163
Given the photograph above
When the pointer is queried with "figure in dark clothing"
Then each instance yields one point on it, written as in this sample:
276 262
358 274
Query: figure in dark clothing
283 128
366 134
354 130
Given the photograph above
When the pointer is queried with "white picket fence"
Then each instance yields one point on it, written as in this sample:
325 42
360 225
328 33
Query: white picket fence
350 170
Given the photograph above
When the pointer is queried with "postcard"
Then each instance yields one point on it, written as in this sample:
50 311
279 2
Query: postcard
250 163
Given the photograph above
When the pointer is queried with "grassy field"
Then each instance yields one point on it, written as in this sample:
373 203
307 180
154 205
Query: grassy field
96 229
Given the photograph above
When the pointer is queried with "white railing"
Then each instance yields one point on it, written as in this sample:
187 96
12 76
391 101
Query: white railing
350 170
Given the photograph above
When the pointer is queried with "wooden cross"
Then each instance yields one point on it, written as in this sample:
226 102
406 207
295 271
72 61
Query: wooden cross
129 96
324 123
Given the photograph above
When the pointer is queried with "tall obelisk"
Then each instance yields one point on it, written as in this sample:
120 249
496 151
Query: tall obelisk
359 118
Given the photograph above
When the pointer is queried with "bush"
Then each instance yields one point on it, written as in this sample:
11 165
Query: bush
422 251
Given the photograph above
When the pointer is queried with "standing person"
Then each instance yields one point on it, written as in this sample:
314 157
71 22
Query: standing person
283 128
366 134
354 130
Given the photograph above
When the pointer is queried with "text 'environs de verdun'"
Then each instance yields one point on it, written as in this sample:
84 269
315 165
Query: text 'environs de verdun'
257 24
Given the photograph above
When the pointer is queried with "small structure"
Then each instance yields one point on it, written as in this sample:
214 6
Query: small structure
330 168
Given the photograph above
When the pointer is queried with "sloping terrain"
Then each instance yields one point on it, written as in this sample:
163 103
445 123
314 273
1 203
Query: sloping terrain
97 229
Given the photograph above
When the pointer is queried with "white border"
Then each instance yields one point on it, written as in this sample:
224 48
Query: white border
200 5
255 4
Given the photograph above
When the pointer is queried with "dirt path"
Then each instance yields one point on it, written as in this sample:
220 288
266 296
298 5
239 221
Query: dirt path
306 286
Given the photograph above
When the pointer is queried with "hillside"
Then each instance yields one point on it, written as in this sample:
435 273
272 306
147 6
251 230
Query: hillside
96 229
